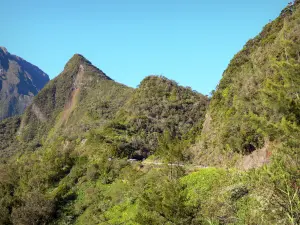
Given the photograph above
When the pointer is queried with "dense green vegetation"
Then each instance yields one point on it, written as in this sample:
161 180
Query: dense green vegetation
256 106
258 96
157 106
8 131
65 161
76 138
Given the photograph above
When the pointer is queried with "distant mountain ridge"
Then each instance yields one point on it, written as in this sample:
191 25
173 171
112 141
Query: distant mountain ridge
20 81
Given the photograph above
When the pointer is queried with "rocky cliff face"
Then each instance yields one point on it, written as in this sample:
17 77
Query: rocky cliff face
19 82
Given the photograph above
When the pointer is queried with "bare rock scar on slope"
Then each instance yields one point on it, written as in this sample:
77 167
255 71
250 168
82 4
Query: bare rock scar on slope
71 104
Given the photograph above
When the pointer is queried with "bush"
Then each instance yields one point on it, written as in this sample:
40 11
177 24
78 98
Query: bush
34 209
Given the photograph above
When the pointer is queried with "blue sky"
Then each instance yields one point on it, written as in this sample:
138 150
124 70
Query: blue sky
190 41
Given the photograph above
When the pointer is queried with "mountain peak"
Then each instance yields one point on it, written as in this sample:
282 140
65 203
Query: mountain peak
78 56
78 61
3 49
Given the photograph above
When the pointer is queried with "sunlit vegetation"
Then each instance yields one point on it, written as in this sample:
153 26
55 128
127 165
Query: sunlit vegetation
92 151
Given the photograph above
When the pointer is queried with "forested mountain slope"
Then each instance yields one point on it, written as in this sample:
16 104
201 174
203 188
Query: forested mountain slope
83 98
84 126
65 161
256 106
68 100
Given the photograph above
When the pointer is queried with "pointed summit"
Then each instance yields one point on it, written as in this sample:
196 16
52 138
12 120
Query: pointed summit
65 93
78 62
3 49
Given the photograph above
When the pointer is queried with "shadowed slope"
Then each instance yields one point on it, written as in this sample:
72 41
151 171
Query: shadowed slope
19 82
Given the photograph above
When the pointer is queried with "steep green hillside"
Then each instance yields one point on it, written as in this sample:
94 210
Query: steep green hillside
256 105
82 99
69 158
72 103
253 124
19 82
159 106
8 133
77 136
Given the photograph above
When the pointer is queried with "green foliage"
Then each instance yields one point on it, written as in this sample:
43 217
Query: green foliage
34 209
8 131
164 203
170 149
56 106
212 189
160 105
259 89
74 141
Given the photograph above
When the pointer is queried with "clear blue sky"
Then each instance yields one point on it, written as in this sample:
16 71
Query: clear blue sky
190 41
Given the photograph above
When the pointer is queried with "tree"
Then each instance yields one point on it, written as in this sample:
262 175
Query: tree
34 209
171 149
